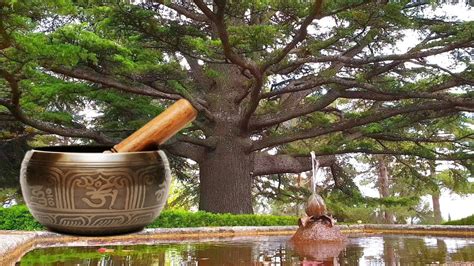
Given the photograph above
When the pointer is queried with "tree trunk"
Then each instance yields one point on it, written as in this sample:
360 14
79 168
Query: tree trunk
384 184
435 196
225 170
225 180
436 208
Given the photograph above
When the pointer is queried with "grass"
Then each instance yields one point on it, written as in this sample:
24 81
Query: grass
19 218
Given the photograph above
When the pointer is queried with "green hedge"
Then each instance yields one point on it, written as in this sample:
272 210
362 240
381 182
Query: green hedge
464 221
19 218
177 218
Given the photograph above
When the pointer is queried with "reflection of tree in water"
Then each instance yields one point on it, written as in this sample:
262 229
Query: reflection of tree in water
318 252
398 250
113 255
389 252
464 254
402 250
351 255
225 254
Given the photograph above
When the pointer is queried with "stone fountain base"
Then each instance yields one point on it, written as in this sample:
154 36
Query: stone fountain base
14 244
320 232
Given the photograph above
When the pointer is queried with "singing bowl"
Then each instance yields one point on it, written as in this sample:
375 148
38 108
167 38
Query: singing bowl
80 190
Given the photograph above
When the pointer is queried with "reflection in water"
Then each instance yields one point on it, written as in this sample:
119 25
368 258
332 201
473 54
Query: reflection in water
319 253
366 250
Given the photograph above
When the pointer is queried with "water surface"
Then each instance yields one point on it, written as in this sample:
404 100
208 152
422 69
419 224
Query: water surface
276 250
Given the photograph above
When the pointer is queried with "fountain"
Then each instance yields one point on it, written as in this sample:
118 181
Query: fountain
317 225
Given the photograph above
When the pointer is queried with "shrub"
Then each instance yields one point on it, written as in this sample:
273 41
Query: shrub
19 218
469 220
181 218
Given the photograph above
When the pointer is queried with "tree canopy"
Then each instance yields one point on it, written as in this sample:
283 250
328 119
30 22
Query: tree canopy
272 80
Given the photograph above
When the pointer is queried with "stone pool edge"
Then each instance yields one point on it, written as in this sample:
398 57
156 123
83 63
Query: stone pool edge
14 244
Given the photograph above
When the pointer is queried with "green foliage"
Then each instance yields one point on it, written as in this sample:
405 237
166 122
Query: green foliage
181 218
202 45
19 218
394 201
456 180
135 255
469 220
350 210
253 38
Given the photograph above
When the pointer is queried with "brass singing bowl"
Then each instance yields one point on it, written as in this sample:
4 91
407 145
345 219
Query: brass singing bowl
80 190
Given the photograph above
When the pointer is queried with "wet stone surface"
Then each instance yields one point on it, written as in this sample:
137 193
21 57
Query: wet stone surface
10 242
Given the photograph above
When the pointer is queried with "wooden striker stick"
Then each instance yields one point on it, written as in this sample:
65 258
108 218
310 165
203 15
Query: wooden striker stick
160 129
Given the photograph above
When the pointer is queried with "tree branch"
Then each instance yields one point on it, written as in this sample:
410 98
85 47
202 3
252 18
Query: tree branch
398 138
206 143
197 72
141 89
393 57
6 40
295 98
379 70
184 149
244 63
14 107
218 20
377 115
252 104
108 81
315 12
265 164
185 12
374 93
203 7
456 76
300 110
301 84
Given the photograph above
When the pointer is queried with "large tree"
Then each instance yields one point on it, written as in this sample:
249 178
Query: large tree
264 75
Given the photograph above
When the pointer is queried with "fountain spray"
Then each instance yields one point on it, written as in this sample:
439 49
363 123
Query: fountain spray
315 208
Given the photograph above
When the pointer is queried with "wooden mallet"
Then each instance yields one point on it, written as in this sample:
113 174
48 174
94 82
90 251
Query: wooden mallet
160 129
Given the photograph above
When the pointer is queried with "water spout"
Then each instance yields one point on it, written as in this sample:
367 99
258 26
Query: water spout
315 169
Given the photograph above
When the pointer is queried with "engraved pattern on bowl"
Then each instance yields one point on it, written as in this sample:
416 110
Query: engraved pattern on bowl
79 190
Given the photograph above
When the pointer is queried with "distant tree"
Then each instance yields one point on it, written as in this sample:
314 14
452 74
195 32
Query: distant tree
415 177
265 75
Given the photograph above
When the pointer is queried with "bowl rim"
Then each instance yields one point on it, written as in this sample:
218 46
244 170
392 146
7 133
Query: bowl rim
45 149
87 154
